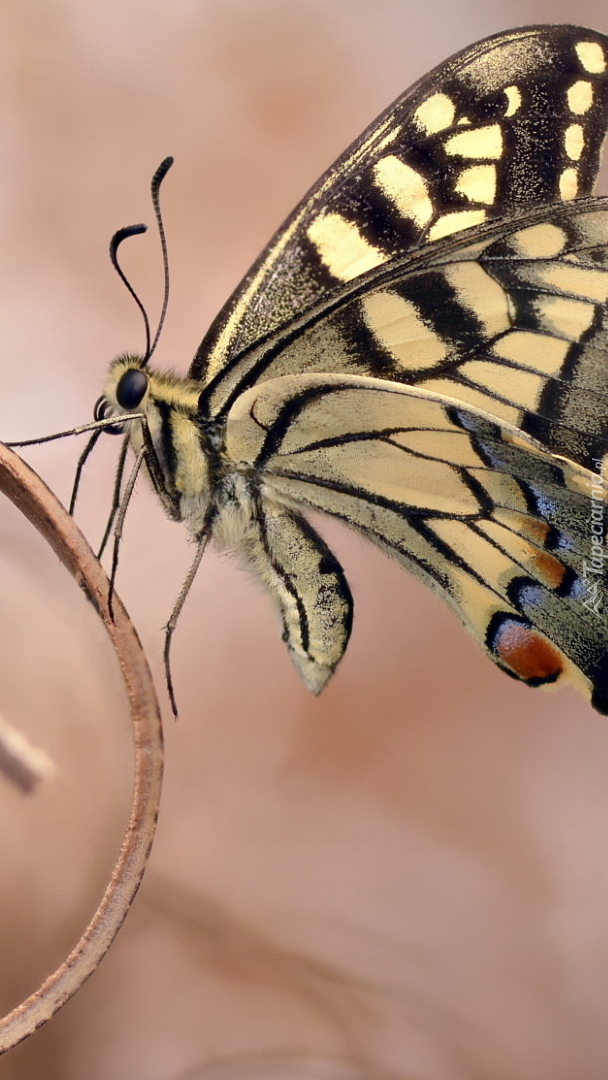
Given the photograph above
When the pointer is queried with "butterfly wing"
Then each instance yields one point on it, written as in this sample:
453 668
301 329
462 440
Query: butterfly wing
513 121
500 528
514 323
421 351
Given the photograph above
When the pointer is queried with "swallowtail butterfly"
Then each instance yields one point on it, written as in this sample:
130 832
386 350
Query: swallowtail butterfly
422 352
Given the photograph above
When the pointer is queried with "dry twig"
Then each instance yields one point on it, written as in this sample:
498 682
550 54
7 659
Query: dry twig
28 492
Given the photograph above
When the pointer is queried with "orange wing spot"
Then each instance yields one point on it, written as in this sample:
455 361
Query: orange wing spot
526 653
533 529
550 569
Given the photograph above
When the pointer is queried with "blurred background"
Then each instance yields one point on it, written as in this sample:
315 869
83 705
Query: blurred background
406 879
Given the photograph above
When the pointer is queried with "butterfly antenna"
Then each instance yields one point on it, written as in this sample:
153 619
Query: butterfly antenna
157 180
115 242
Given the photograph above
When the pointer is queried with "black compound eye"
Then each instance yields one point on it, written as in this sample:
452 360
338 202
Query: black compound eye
131 388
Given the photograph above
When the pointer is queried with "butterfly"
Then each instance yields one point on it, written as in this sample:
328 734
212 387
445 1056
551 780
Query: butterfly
422 352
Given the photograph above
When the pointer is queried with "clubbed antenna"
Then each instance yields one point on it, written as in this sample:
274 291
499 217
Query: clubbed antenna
157 180
136 230
115 242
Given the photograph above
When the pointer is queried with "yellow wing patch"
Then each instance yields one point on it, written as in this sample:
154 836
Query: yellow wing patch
481 143
398 325
478 183
591 56
406 188
435 114
580 96
342 248
568 184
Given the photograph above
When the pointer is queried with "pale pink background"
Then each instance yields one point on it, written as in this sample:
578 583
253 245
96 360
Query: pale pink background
406 879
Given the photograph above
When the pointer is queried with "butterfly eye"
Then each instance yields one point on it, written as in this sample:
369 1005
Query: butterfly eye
131 388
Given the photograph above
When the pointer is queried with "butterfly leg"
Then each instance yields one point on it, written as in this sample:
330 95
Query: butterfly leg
120 469
120 519
80 466
175 614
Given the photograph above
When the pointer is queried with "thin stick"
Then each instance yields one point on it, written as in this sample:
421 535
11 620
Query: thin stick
40 506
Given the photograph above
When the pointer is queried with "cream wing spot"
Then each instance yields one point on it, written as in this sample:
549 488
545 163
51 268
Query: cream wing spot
477 602
342 248
483 143
543 241
591 56
406 189
478 183
537 352
580 96
520 388
419 482
563 317
476 550
455 222
399 327
482 295
568 184
452 445
435 114
577 280
513 96
574 141
385 470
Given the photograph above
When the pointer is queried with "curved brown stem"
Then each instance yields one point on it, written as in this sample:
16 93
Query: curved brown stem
28 492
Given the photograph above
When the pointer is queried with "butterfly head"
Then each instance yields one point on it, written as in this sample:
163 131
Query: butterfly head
158 412
126 391
133 390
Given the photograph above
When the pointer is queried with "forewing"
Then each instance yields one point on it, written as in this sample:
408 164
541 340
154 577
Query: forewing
516 120
514 324
500 528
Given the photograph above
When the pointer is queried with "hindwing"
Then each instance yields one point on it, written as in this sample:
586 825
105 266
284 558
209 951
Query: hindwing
480 512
